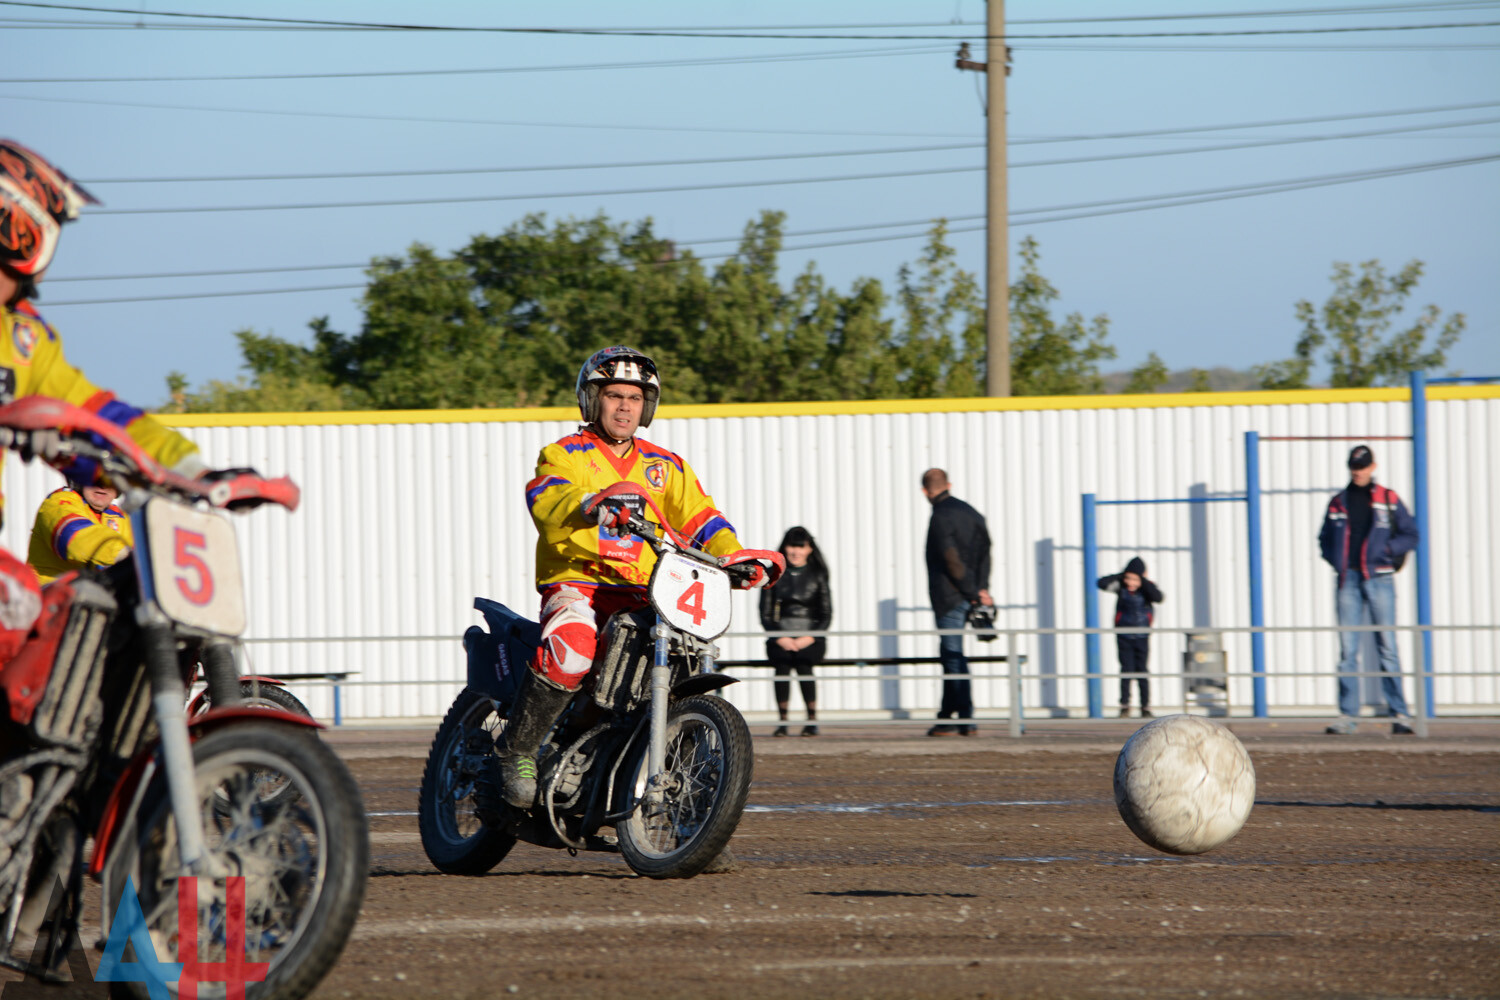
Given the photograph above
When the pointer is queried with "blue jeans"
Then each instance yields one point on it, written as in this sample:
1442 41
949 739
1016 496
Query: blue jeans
957 701
1378 593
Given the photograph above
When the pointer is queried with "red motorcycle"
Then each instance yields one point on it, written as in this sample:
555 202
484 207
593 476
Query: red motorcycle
258 820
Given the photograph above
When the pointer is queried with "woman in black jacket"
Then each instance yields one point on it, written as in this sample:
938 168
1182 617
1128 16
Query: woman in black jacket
801 599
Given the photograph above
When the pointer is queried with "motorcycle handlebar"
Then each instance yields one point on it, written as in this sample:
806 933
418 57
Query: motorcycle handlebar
659 540
57 432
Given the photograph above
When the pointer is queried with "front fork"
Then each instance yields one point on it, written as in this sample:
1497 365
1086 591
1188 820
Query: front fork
168 700
661 694
661 681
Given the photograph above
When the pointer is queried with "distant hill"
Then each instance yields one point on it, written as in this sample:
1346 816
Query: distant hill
1219 380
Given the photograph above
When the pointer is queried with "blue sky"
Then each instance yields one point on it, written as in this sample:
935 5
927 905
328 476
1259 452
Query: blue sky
1202 285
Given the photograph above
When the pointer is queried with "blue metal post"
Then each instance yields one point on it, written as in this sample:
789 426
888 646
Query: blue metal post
1424 545
1091 605
1257 605
338 703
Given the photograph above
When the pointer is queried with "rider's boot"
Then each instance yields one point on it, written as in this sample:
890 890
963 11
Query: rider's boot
536 708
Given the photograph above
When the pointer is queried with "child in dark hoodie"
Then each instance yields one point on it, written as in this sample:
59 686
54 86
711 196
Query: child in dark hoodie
1134 596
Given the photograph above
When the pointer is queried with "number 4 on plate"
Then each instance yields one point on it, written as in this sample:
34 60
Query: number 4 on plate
691 602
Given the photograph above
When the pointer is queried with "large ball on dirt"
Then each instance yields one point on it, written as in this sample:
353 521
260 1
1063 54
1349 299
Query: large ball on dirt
1183 784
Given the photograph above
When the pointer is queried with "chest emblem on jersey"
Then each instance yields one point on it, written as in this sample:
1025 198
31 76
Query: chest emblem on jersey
656 475
24 334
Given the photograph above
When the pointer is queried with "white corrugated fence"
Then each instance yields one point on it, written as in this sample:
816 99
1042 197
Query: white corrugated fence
406 517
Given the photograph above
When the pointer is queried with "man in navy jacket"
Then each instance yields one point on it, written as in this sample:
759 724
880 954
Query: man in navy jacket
1366 535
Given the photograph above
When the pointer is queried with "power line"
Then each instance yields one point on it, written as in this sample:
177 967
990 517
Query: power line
613 192
1377 8
477 199
1236 144
1267 187
1038 216
1137 134
1228 47
430 120
792 234
720 33
1265 123
1387 8
463 171
572 67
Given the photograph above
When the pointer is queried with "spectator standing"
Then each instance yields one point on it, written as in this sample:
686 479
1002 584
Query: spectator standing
1134 595
801 599
1366 535
958 577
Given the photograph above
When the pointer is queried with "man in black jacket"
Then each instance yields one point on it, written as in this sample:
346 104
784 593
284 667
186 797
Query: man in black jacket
958 576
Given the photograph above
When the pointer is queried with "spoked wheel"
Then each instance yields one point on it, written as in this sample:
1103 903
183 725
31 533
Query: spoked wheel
708 767
254 694
295 871
456 840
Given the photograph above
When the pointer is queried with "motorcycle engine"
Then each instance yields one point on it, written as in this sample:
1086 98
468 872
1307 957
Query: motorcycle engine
15 798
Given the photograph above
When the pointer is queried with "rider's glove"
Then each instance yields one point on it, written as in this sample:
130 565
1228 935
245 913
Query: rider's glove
751 568
229 476
611 513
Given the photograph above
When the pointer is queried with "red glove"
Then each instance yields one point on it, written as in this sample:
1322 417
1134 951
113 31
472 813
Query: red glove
751 568
610 511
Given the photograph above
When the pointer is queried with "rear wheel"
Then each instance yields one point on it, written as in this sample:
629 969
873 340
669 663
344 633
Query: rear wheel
295 868
709 763
456 840
262 695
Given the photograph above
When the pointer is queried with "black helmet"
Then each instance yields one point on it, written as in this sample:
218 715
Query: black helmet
618 364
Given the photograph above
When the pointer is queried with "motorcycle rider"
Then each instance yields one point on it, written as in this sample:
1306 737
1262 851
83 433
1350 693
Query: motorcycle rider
77 526
587 565
36 199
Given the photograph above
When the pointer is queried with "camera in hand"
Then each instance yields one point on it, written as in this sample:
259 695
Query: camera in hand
981 618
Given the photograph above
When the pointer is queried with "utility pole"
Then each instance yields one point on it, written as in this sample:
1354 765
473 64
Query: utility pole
997 229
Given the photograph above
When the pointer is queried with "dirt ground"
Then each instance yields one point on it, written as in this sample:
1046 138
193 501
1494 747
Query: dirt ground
890 865
878 863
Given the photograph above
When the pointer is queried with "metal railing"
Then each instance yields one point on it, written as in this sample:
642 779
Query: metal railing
1014 673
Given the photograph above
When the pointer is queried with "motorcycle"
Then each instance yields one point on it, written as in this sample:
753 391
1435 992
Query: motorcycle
96 741
644 747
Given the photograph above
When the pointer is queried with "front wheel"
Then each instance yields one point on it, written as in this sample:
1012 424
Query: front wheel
290 871
709 763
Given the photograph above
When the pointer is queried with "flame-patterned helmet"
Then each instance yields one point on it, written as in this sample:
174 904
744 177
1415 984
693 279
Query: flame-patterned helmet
35 200
618 364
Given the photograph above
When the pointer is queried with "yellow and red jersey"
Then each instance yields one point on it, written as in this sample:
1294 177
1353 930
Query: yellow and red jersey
32 364
69 534
571 548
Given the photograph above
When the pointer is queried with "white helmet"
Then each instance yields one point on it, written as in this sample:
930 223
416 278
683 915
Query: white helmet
618 364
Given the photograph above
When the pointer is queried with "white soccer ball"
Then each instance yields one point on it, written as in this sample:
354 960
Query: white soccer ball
1184 785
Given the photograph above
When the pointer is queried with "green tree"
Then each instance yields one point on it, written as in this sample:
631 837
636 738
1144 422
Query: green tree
1200 382
1356 324
1048 358
506 320
1149 376
941 342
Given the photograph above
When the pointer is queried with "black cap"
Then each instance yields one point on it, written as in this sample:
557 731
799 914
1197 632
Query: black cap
1361 456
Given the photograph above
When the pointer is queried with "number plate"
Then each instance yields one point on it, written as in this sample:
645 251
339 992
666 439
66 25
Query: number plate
195 567
691 596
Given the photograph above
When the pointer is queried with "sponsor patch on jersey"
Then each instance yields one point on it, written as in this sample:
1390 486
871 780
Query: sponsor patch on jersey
625 549
656 475
24 333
